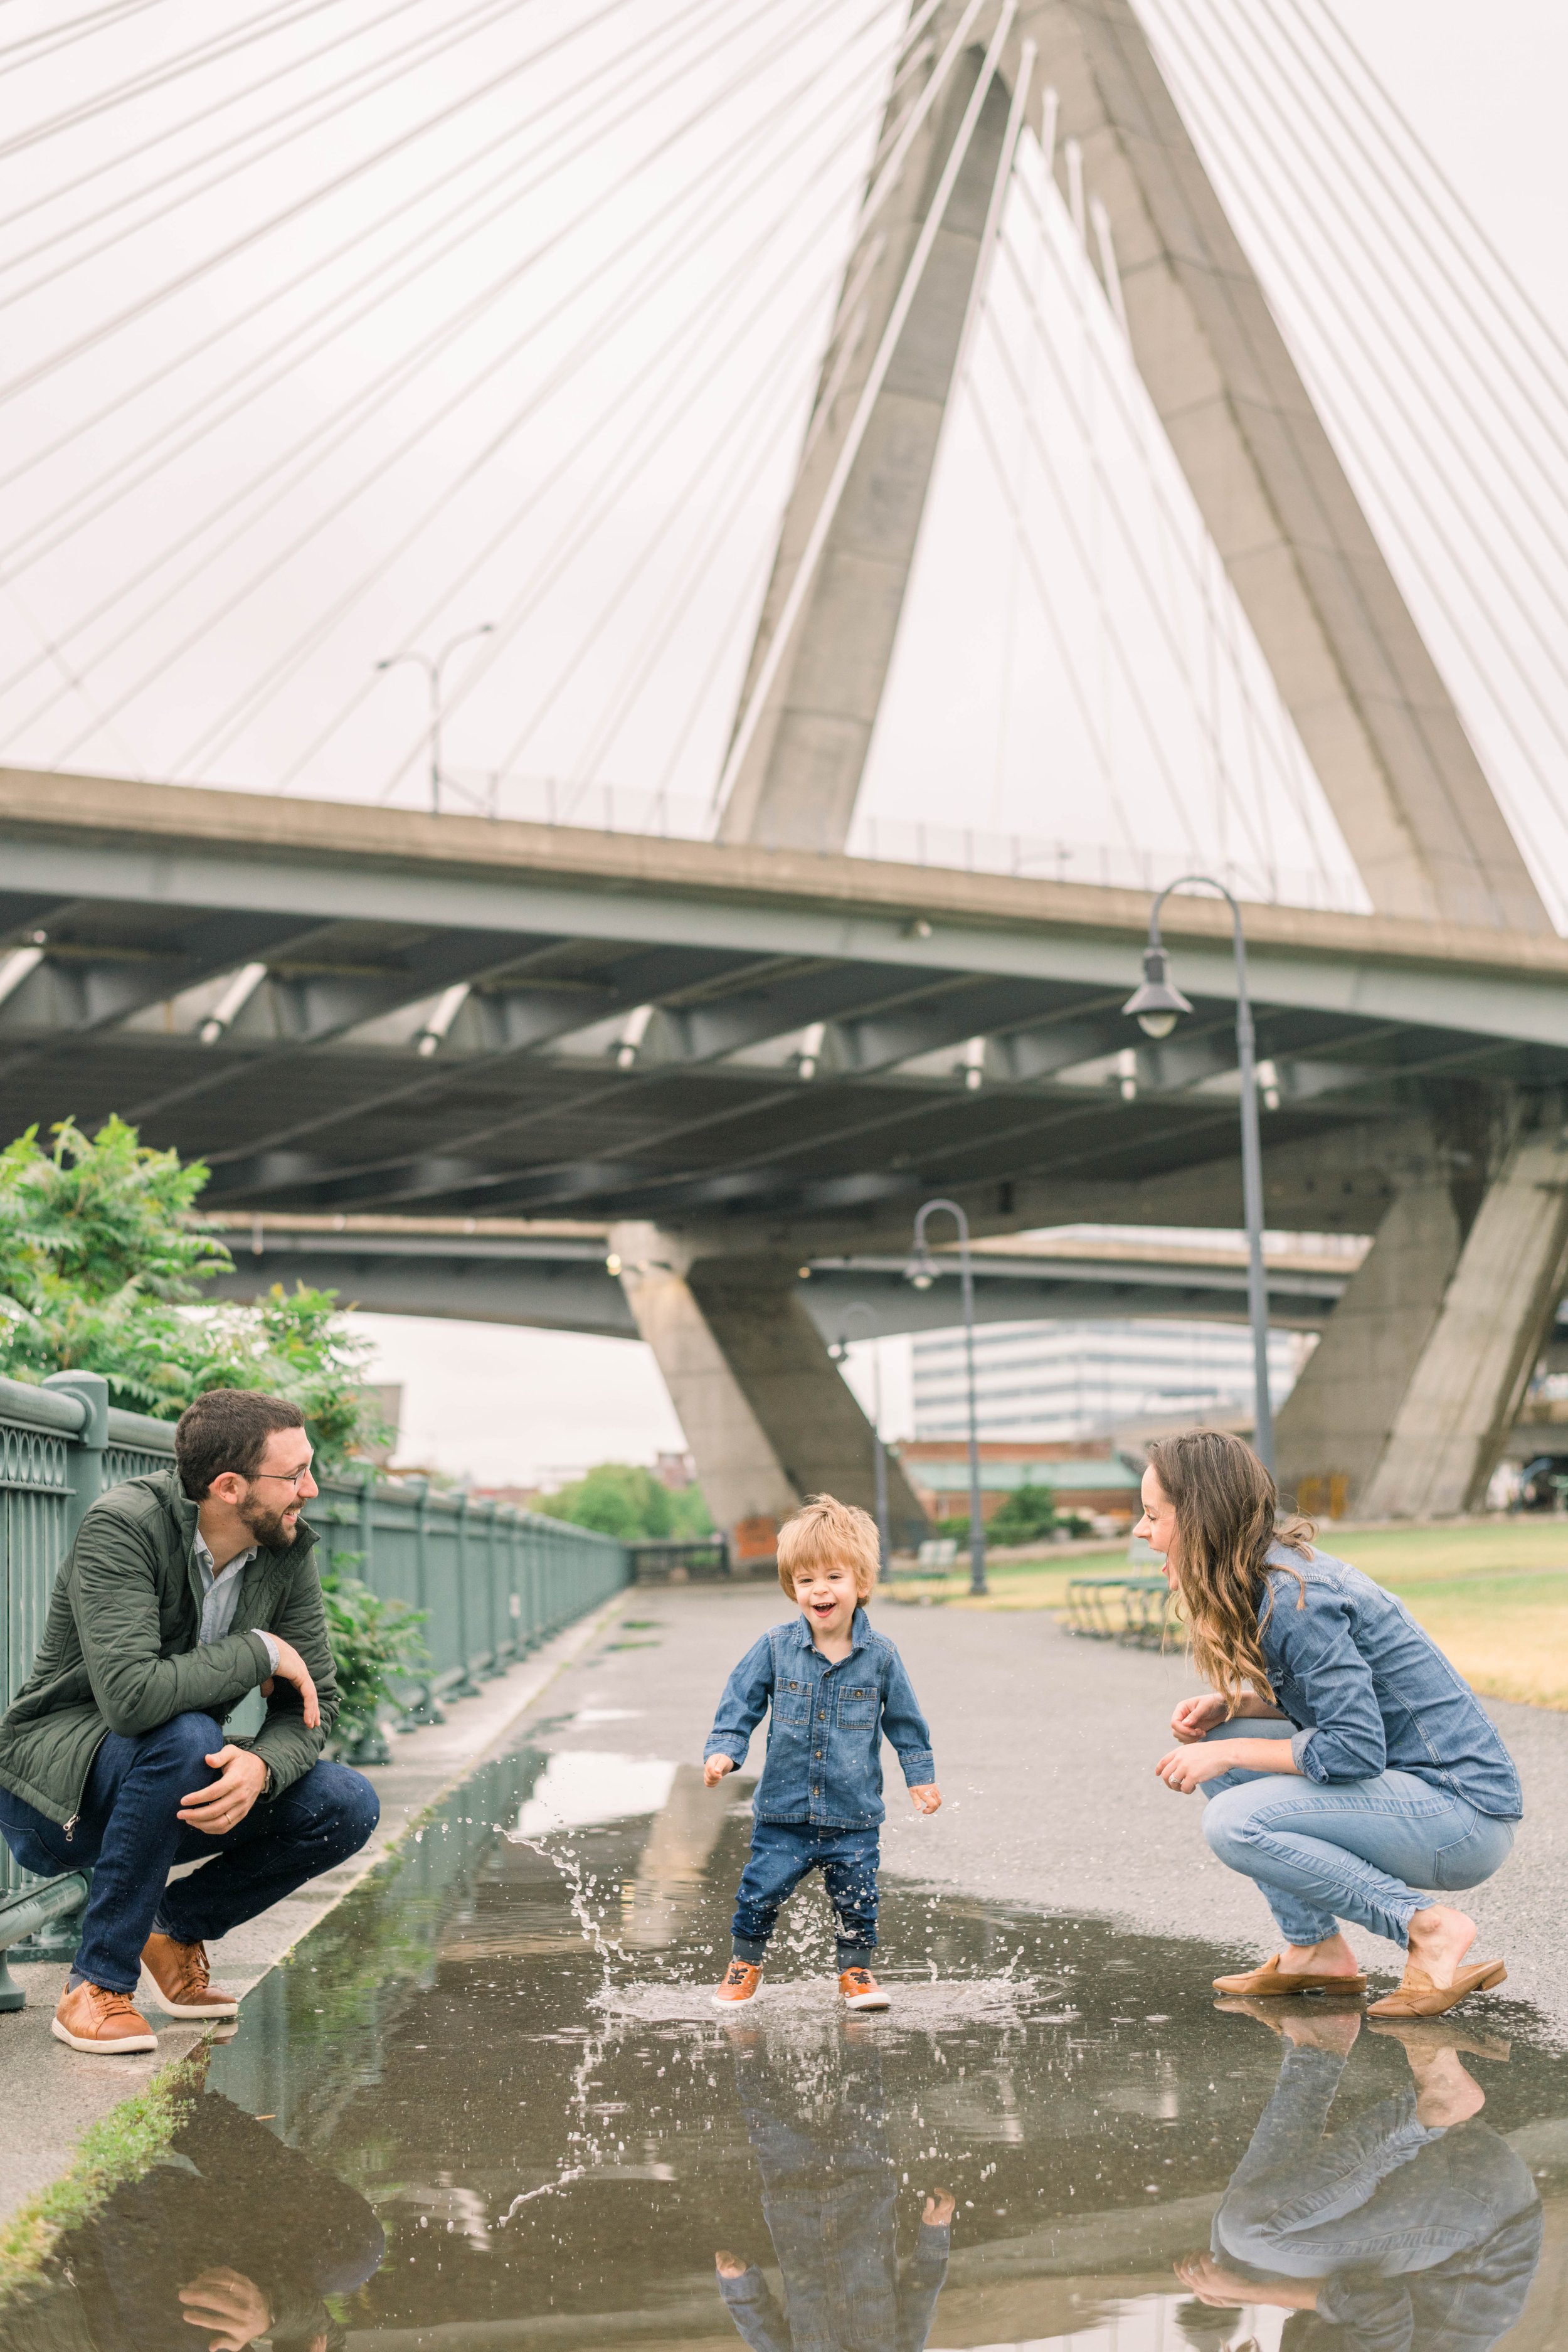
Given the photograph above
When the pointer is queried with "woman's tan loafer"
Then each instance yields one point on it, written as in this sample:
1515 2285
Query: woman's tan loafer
1419 1997
1272 1979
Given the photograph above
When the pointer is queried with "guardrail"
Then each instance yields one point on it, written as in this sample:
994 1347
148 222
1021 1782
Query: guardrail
496 1582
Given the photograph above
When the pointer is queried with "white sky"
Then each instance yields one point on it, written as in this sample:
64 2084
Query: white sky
220 621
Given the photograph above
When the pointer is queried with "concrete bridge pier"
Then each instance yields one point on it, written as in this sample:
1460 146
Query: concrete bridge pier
1410 1393
767 1414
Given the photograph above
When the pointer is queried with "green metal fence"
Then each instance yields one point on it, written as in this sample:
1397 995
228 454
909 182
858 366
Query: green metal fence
496 1582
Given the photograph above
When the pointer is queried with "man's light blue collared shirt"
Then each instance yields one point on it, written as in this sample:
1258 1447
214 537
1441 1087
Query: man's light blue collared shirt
222 1594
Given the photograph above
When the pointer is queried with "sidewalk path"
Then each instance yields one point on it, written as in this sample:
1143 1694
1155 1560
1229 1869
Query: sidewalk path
50 2094
1045 1750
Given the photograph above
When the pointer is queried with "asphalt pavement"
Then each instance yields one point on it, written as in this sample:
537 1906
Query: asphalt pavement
1045 1745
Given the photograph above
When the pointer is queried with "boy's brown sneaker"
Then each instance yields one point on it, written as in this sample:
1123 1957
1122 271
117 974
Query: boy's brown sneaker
179 1974
861 1991
103 2023
741 1981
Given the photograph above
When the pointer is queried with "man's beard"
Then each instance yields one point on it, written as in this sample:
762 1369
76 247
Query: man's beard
267 1526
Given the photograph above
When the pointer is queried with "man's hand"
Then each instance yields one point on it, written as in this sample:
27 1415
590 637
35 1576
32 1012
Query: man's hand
1183 1771
291 1668
227 2307
1195 1718
241 1778
713 1771
728 2266
940 2210
926 1800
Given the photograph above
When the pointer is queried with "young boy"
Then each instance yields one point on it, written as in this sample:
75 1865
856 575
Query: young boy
835 1688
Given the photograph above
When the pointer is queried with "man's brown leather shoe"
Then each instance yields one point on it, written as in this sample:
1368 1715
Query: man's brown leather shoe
179 1973
101 2022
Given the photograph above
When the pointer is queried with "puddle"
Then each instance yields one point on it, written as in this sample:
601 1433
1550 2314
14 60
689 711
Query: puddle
488 2106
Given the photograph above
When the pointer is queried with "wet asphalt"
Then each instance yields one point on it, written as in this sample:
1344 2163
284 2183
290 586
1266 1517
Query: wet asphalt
1046 1746
488 2102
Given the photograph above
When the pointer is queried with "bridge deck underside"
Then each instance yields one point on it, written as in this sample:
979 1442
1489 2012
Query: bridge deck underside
759 1085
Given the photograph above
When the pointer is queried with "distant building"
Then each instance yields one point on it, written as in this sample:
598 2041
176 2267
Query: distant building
1060 1383
1090 1477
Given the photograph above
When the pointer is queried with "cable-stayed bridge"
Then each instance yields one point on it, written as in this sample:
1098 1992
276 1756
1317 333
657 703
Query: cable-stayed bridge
752 1053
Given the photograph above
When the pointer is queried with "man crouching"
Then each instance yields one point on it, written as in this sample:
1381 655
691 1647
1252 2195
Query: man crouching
183 1591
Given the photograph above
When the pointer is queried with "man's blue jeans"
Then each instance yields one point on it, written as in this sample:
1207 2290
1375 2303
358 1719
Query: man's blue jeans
1352 1849
782 1853
130 1835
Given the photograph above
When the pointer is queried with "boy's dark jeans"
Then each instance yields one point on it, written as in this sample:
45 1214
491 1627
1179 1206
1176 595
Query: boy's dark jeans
782 1853
129 1836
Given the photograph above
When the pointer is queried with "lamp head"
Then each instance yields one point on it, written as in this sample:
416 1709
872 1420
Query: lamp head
920 1270
1159 1004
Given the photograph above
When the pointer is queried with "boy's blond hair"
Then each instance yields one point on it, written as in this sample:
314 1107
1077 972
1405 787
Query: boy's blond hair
826 1532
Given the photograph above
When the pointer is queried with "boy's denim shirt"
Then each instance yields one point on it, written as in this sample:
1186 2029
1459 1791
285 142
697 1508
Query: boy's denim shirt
1370 1692
825 1741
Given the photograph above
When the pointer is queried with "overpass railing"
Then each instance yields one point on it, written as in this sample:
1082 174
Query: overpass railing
495 1581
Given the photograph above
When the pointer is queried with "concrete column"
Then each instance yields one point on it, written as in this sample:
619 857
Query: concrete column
1332 1429
766 1412
1375 716
798 785
1405 1404
1469 1382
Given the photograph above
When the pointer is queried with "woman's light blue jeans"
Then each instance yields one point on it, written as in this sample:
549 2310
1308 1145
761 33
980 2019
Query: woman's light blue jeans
1355 1849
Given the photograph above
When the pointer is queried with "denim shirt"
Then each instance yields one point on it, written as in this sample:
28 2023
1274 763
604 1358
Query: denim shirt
824 1740
1370 1692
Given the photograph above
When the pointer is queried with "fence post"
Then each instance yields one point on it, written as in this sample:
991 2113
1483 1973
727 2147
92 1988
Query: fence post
85 1451
423 1709
464 1687
494 1665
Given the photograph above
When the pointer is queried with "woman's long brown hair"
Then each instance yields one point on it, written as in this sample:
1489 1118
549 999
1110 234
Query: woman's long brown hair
1227 1516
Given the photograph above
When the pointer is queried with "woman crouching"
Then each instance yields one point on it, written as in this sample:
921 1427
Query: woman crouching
1348 1768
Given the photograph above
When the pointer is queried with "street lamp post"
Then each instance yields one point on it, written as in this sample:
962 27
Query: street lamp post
1157 1007
839 1352
433 666
923 1273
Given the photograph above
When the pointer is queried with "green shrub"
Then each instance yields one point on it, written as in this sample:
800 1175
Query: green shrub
372 1642
620 1499
101 1263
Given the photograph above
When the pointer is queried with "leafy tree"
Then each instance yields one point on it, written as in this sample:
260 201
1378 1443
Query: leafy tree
101 1263
623 1500
1028 1513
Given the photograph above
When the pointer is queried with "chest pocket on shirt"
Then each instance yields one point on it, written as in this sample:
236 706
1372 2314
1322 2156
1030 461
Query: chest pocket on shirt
792 1702
858 1706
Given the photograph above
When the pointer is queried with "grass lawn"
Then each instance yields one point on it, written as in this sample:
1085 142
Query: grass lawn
1494 1594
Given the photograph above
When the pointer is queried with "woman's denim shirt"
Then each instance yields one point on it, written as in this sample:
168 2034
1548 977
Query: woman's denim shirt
824 1742
1370 1690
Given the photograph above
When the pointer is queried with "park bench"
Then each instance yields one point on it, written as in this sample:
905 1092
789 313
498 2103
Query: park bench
1128 1609
933 1562
26 1915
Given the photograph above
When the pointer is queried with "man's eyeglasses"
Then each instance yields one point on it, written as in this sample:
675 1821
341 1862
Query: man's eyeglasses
284 1477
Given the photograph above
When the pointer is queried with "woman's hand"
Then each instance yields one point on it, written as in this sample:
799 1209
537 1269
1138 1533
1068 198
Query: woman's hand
1195 1718
1183 1771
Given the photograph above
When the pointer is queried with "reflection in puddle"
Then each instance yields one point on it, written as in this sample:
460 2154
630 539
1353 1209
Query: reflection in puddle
1053 2139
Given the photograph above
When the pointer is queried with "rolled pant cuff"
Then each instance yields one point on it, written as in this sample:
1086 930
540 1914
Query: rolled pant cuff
855 1955
752 1950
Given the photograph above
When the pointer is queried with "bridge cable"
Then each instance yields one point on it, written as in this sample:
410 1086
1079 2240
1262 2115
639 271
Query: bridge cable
50 38
1394 456
206 413
276 19
319 446
351 91
306 644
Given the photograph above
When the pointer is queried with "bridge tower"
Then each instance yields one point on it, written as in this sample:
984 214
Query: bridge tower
1397 1396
